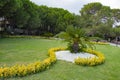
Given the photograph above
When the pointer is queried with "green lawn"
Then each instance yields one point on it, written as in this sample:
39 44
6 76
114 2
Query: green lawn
25 50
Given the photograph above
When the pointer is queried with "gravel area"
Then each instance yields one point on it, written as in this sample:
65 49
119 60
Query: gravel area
68 56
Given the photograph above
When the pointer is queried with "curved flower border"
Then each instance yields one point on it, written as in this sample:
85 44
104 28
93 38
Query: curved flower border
93 61
99 59
100 43
23 70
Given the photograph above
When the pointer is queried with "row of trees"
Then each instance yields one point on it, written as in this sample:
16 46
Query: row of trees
25 17
24 14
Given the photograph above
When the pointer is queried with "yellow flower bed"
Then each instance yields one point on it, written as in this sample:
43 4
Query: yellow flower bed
99 59
100 43
23 70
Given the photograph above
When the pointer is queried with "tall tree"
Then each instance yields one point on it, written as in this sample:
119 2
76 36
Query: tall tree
8 7
97 17
116 16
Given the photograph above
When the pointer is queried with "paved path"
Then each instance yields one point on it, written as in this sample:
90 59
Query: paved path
114 45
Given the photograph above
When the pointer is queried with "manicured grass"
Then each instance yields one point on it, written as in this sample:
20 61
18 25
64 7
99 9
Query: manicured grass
23 50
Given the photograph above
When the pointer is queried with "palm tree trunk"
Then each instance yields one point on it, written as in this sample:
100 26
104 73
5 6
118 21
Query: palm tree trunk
75 47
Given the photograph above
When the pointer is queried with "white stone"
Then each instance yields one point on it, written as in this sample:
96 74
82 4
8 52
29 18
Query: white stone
68 56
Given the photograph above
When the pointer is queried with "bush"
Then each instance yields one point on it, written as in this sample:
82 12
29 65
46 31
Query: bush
47 34
23 70
99 59
38 66
95 39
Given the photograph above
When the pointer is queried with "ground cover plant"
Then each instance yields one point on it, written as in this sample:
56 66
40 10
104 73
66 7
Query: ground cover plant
24 50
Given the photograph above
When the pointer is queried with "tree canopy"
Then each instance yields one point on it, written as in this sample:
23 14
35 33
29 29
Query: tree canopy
27 18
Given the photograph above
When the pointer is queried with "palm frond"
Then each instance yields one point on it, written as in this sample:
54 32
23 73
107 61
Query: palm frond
75 37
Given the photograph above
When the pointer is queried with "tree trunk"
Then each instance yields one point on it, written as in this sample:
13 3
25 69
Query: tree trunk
75 47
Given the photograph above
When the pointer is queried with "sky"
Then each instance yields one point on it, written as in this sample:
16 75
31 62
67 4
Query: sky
74 6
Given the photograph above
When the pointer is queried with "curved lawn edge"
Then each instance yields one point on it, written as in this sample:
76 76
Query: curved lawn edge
99 59
32 68
93 61
38 66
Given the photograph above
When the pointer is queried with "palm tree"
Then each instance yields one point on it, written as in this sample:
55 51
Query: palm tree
76 38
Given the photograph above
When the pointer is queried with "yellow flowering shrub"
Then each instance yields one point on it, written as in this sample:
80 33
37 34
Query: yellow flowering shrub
38 66
23 70
99 59
100 43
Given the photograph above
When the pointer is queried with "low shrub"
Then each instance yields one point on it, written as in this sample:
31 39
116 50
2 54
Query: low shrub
47 34
99 59
23 70
100 43
38 66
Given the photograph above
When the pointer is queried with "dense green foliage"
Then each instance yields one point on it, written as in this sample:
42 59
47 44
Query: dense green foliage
99 19
23 17
12 48
34 19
